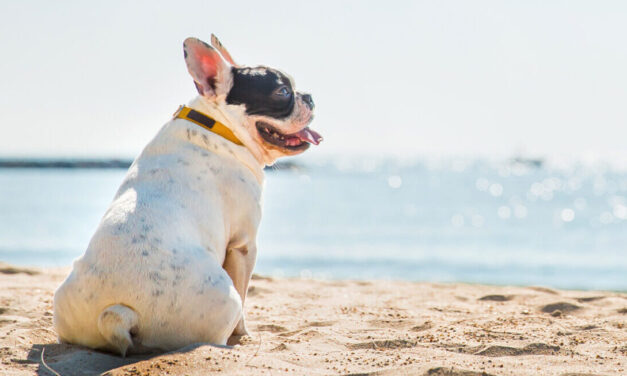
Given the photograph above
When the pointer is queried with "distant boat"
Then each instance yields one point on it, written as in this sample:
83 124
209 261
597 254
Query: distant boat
530 162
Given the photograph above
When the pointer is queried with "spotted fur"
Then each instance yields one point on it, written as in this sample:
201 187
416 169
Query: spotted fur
170 262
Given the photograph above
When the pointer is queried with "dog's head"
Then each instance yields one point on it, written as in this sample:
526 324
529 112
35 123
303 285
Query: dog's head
262 100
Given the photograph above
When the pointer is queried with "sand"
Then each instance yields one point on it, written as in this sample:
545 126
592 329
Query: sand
312 327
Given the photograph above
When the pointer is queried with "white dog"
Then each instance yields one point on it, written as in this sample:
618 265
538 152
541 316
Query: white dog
170 262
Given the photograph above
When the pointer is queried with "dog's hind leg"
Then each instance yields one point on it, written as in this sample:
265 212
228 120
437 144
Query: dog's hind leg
116 323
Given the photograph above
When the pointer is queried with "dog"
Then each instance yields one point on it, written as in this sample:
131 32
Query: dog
170 262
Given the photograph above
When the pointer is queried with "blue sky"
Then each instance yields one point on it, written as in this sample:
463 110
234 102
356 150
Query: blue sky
415 77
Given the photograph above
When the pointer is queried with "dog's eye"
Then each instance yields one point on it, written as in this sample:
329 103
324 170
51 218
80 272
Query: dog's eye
283 91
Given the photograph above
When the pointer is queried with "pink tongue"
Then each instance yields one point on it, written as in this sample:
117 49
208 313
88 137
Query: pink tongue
309 136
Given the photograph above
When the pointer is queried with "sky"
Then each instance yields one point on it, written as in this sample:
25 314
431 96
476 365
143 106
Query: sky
98 79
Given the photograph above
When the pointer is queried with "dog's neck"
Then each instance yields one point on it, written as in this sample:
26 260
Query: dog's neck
190 132
236 123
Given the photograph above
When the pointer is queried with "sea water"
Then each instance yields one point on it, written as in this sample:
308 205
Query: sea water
457 220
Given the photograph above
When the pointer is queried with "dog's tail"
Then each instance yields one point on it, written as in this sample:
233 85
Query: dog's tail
116 323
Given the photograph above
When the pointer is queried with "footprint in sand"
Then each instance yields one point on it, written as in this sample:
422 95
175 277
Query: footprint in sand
8 269
424 326
280 347
383 344
256 290
320 324
303 331
532 349
271 328
497 350
497 298
562 307
587 299
257 277
389 323
441 371
438 371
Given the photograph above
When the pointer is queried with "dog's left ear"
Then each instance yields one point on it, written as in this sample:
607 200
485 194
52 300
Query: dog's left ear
211 73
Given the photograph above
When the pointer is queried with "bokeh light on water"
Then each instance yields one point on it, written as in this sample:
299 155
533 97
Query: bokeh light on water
458 220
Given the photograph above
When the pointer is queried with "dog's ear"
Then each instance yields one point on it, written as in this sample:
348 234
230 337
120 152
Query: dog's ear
211 73
215 42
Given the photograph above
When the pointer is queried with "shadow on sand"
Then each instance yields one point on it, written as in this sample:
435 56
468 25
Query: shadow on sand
71 360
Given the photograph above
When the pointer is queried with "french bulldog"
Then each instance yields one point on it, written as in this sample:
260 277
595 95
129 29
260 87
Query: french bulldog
170 262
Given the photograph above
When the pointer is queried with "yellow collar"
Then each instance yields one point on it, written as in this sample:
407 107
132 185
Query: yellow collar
206 122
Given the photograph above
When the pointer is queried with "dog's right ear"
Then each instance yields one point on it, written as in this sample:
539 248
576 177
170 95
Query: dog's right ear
215 42
210 72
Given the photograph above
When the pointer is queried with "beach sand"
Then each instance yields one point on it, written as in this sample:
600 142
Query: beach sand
312 327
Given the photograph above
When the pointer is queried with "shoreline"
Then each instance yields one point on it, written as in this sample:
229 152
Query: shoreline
26 266
96 164
321 327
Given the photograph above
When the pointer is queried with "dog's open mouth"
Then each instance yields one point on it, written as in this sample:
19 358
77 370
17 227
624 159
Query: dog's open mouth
294 141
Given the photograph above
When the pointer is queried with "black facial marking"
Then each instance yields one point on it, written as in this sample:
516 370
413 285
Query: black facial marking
256 88
185 54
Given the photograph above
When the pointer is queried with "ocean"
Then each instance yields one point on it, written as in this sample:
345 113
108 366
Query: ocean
507 222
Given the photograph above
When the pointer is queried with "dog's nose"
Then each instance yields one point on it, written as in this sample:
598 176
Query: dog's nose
309 101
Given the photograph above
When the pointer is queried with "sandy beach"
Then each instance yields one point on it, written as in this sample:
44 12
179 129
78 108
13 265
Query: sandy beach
313 327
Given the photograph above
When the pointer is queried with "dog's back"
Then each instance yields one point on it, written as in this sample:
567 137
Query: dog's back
161 245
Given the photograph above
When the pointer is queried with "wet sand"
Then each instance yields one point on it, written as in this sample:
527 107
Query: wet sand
312 327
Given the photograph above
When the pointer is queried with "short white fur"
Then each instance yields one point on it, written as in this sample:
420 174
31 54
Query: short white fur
170 262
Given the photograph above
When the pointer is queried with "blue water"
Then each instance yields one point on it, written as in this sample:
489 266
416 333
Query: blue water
449 220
